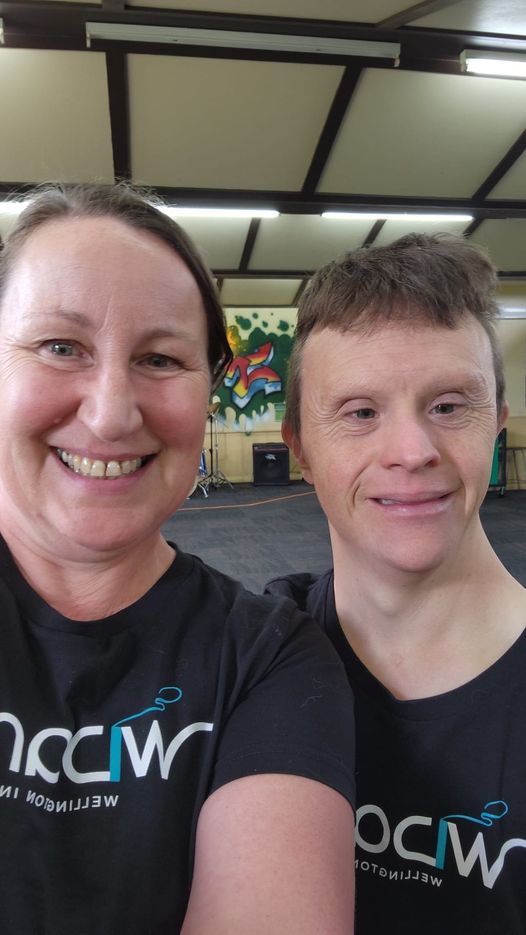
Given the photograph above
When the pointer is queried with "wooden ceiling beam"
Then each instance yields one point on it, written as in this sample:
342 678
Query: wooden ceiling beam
508 160
472 227
249 244
316 203
299 292
373 233
410 14
63 25
117 72
334 120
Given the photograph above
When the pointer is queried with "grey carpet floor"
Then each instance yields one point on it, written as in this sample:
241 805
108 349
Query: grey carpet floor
255 533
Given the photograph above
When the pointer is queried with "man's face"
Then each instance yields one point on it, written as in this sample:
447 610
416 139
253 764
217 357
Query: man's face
398 428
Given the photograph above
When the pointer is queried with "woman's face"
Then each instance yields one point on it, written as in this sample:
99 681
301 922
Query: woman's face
104 382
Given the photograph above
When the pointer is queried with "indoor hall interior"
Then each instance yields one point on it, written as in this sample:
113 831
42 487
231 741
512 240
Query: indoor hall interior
281 133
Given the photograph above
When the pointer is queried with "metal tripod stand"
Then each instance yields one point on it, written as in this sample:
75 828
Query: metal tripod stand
215 478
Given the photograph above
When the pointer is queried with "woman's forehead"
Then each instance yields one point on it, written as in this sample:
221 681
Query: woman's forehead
93 251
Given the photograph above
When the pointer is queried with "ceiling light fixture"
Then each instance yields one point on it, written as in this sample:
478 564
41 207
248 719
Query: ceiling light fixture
230 39
13 207
174 211
2 36
507 312
392 216
499 64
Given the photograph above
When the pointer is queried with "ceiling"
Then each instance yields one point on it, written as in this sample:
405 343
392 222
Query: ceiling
299 132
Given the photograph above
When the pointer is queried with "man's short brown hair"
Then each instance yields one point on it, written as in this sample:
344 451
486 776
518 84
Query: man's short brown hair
423 279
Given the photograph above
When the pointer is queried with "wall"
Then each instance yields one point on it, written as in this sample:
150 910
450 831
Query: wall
252 396
512 336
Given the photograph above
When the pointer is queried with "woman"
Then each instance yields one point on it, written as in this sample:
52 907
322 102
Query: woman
175 753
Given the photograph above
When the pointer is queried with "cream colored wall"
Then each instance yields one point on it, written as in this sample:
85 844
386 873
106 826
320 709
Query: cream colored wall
235 452
512 336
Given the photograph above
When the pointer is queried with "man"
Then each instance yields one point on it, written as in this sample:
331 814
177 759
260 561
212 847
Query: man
396 396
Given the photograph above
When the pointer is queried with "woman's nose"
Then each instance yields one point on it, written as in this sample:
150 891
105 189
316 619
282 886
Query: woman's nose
110 407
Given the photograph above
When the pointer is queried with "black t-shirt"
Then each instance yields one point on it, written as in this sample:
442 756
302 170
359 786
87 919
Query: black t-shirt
114 732
441 793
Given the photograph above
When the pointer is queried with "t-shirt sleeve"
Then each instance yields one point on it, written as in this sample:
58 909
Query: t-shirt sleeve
292 707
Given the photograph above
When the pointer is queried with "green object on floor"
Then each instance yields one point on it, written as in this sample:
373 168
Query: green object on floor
494 479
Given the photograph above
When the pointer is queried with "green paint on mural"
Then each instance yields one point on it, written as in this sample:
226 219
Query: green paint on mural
244 323
265 324
260 402
283 325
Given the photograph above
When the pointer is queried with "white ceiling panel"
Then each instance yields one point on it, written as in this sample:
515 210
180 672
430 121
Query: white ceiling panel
392 230
259 291
219 240
409 133
513 185
244 124
304 242
55 116
493 16
347 10
506 242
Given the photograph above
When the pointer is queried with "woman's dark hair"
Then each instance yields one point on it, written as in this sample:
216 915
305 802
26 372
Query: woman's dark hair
138 208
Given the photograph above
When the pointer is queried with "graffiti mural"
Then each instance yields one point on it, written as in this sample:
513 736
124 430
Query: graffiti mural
253 390
249 374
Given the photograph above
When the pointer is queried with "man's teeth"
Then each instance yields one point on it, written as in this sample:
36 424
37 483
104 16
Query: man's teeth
97 468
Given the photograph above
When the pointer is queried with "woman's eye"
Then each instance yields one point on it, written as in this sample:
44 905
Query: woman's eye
160 361
61 348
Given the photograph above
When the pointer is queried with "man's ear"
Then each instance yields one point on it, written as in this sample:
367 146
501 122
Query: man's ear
503 415
294 443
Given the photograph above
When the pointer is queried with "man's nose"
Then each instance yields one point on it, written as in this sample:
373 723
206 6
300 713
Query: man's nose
110 407
409 443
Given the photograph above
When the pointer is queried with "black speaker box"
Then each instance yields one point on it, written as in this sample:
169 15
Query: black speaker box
270 462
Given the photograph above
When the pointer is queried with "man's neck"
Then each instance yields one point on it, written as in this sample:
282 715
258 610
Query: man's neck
425 634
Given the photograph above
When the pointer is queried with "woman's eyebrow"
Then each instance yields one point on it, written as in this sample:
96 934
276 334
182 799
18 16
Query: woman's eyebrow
80 318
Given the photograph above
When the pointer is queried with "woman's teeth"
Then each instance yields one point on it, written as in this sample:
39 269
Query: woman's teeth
102 469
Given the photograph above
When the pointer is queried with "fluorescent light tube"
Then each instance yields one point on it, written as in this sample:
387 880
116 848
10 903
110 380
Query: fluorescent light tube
271 42
509 312
2 37
181 212
392 216
13 207
499 64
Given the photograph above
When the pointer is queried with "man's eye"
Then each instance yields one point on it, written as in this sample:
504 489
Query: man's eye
364 413
444 409
61 348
